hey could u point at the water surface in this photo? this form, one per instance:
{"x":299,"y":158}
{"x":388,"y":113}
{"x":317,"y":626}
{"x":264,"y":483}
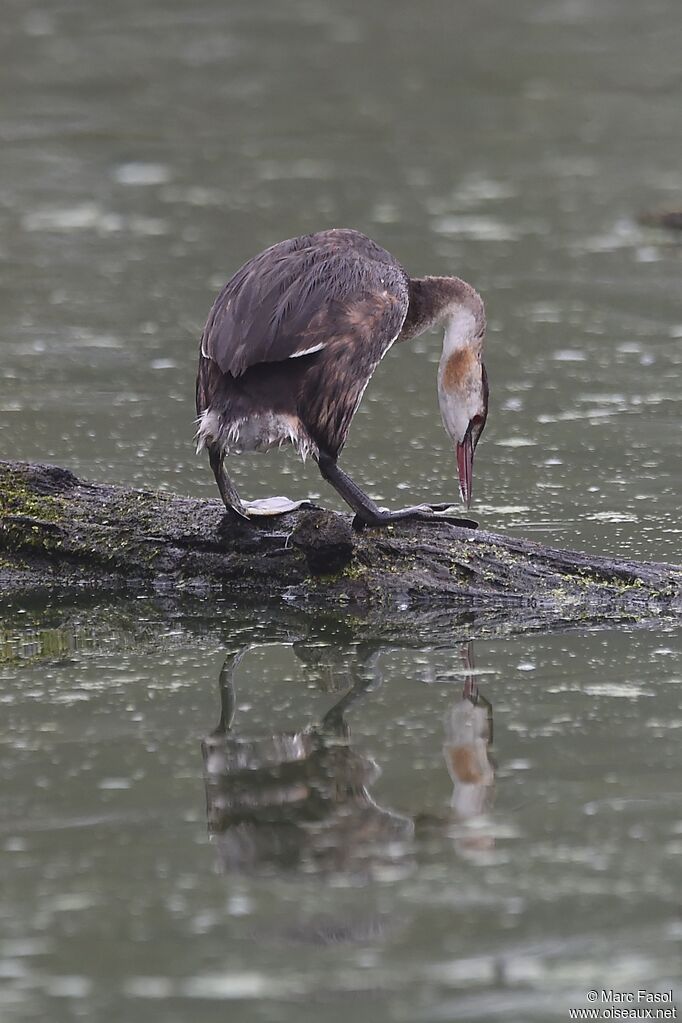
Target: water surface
{"x":147,"y":153}
{"x":296,"y":819}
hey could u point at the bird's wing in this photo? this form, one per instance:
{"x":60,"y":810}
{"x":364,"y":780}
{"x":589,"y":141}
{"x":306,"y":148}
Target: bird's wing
{"x":293,"y":299}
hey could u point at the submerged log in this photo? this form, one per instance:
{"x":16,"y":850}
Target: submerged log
{"x":62,"y":535}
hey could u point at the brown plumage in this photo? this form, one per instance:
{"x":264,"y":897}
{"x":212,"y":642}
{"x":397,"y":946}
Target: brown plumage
{"x":292,"y":341}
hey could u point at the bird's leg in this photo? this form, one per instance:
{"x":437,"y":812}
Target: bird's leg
{"x":367,"y":513}
{"x":248,"y":511}
{"x":367,"y":677}
{"x":228,"y":491}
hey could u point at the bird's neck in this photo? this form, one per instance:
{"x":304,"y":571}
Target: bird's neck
{"x":447,"y":300}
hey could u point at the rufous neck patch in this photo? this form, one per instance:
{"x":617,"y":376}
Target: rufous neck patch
{"x":458,"y":367}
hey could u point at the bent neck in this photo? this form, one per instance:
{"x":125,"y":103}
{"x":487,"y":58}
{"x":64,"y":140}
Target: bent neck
{"x":447,"y":300}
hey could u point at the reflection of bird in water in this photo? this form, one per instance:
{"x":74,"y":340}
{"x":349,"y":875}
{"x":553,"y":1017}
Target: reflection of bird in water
{"x":292,"y":341}
{"x":297,"y":800}
{"x":468,"y":735}
{"x":301,"y":800}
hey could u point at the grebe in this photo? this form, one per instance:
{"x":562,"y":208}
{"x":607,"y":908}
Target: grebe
{"x":293,"y":339}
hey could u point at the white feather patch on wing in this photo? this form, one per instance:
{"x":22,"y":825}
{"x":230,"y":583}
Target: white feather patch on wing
{"x":308,"y":351}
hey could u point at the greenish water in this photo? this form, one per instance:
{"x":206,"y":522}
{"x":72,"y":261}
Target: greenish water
{"x":147,"y":150}
{"x":314,"y":861}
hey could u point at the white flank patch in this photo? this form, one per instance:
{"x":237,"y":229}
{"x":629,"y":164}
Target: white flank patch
{"x":208,"y":428}
{"x":256,"y":433}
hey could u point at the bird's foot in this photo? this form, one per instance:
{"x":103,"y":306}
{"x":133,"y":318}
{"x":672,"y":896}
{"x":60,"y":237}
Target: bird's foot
{"x":442,"y":512}
{"x":448,"y":513}
{"x":269,"y":507}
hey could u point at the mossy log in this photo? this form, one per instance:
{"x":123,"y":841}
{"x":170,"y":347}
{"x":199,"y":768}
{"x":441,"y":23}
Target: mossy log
{"x":61,"y":535}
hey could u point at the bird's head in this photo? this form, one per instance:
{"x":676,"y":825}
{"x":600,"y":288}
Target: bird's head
{"x":463,"y":386}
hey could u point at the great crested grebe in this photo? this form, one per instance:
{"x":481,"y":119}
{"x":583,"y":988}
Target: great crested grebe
{"x":292,"y":340}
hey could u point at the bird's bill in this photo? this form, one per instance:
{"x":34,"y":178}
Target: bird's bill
{"x":465,"y":468}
